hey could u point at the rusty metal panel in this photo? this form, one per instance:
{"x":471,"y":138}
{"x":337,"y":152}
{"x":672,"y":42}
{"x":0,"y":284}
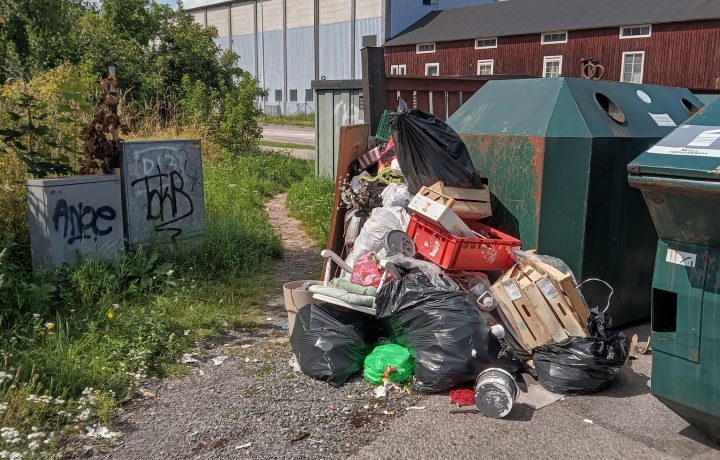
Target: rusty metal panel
{"x":514,"y":165}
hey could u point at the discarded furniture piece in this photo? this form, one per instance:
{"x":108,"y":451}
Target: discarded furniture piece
{"x":74,"y":216}
{"x":341,"y":297}
{"x":162,"y":191}
{"x":555,"y":150}
{"x":353,"y":143}
{"x":679,"y":179}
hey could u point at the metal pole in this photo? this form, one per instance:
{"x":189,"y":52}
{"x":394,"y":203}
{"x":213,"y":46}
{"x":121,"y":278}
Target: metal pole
{"x":285,"y":60}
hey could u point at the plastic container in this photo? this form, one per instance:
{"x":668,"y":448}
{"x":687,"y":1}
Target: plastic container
{"x":495,"y":392}
{"x":295,"y":299}
{"x":384,"y":131}
{"x":456,"y":253}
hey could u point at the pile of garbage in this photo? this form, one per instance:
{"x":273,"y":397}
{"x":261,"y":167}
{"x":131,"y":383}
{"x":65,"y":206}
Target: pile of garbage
{"x":427,"y":295}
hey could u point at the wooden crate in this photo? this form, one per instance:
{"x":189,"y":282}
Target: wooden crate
{"x":468,"y":203}
{"x":540,"y":305}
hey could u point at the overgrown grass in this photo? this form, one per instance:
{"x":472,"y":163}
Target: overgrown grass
{"x":84,"y":346}
{"x":311,"y":201}
{"x":292,"y":120}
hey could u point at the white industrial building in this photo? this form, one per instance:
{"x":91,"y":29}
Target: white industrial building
{"x":289,"y":43}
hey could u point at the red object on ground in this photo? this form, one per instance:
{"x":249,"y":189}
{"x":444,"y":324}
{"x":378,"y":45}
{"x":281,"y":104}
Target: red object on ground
{"x":462,"y":397}
{"x":457,"y":253}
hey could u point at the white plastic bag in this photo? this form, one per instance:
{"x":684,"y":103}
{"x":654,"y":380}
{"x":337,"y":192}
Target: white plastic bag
{"x":380,"y":222}
{"x":395,"y":195}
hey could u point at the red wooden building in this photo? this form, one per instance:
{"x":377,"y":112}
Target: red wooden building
{"x":665,"y":42}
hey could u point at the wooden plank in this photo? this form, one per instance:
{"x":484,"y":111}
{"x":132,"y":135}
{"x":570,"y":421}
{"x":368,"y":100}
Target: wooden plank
{"x":353,"y":143}
{"x":553,"y":326}
{"x":374,"y":87}
{"x":562,"y":307}
{"x":522,"y":333}
{"x":517,"y":324}
{"x":524,"y":307}
{"x":567,"y":285}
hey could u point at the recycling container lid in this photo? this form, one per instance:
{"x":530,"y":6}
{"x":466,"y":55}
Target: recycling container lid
{"x":692,"y":151}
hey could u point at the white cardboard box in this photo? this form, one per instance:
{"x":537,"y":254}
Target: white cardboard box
{"x":441,"y":214}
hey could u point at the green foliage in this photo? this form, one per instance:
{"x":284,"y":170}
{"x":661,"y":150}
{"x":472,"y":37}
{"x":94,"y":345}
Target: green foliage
{"x":199,"y":103}
{"x":239,"y":127}
{"x":20,"y":293}
{"x":38,"y":34}
{"x":30,"y":136}
{"x":107,"y":325}
{"x":311,"y":202}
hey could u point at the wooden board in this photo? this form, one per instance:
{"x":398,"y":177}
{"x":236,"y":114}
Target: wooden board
{"x":353,"y":143}
{"x":567,"y":286}
{"x":524,"y":308}
{"x":468,"y":203}
{"x":522,"y":333}
{"x":562,"y":307}
{"x":543,"y":310}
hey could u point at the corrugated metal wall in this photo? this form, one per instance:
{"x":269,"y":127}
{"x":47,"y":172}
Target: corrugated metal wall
{"x":680,"y":54}
{"x":257,"y":33}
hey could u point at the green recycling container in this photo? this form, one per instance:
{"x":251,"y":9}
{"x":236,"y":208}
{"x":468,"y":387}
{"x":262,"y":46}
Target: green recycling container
{"x":680,"y":180}
{"x":555,"y":151}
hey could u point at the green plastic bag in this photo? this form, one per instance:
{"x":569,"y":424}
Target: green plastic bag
{"x":393,"y":355}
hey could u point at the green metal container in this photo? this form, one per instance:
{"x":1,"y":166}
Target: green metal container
{"x":680,"y":180}
{"x":556,"y":151}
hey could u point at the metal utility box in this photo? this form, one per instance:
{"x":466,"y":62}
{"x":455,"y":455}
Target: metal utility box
{"x":162,"y":191}
{"x":74,"y":216}
{"x":555,"y":151}
{"x":680,"y":182}
{"x":339,"y":103}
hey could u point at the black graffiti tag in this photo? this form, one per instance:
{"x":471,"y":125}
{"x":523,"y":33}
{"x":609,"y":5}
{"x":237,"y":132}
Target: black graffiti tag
{"x":164,"y":192}
{"x":82,"y":222}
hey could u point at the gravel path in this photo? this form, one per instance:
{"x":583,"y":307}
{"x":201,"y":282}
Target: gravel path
{"x":252,"y":404}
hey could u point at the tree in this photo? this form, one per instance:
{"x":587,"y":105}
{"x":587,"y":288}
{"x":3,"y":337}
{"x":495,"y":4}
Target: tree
{"x":38,"y":34}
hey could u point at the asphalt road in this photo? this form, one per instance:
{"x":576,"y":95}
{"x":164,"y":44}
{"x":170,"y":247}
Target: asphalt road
{"x":627,"y":423}
{"x":289,"y":134}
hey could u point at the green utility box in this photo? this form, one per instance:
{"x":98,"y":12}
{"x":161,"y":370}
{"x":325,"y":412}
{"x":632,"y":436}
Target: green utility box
{"x":555,"y":151}
{"x":679,"y":178}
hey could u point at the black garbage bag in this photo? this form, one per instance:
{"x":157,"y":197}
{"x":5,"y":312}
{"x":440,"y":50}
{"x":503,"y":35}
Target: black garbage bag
{"x":428,"y":150}
{"x":583,"y":365}
{"x":448,"y":339}
{"x":329,"y":342}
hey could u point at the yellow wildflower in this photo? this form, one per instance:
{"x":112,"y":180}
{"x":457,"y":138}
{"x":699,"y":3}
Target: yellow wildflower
{"x":41,"y":333}
{"x":110,"y":314}
{"x":50,"y":326}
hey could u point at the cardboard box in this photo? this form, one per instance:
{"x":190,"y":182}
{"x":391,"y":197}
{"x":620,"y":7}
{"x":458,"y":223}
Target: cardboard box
{"x":469,"y":203}
{"x":442,"y":214}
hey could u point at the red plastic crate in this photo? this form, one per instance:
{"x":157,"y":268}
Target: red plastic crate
{"x":456,"y":253}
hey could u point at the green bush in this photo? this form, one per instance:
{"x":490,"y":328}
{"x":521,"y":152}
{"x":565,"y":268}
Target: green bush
{"x":239,"y":127}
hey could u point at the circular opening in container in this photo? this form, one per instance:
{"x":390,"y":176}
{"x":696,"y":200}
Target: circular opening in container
{"x":610,"y":108}
{"x":689,"y":106}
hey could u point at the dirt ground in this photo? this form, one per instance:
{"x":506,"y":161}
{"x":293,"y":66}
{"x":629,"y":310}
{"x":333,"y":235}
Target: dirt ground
{"x":244,"y":400}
